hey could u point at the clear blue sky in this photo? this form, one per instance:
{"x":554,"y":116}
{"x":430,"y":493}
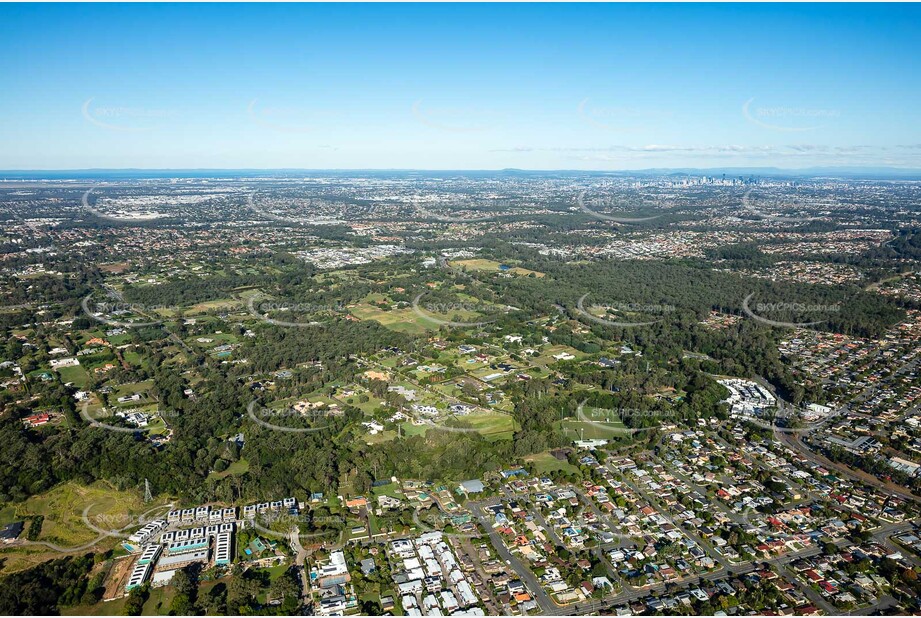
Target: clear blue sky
{"x":459,"y":86}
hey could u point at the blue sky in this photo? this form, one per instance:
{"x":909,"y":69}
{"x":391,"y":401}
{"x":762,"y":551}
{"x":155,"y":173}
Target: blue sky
{"x":546,"y":86}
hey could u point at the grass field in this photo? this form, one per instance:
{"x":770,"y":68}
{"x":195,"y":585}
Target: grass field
{"x":547,"y":354}
{"x":7,"y":514}
{"x":114,"y":267}
{"x":130,"y":389}
{"x":19,"y":557}
{"x":393,"y":490}
{"x":115,"y":607}
{"x":213,"y":305}
{"x":491,"y":265}
{"x":380,"y":437}
{"x":63,"y":506}
{"x":241,"y":466}
{"x":400,"y":320}
{"x":157,"y":604}
{"x":408,"y":429}
{"x":77,"y":375}
{"x":406,"y":320}
{"x":368,"y":407}
{"x":119,"y":339}
{"x":599,"y":427}
{"x":545,"y":463}
{"x":156,"y":427}
{"x":274,"y":572}
{"x":492,"y":426}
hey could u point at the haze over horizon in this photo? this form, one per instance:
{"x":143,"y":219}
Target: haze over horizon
{"x":204,"y":172}
{"x":459,"y":87}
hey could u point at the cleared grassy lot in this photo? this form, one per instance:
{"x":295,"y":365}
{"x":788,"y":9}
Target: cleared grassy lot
{"x":602,"y":425}
{"x":491,"y":265}
{"x":77,"y":375}
{"x":545,"y":463}
{"x":406,"y":320}
{"x":492,"y":426}
{"x":157,"y":604}
{"x":400,"y":320}
{"x":241,"y":466}
{"x":62,"y":509}
{"x":63,"y":506}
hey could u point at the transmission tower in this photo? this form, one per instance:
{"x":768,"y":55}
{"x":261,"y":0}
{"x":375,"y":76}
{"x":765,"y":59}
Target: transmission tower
{"x":148,"y":496}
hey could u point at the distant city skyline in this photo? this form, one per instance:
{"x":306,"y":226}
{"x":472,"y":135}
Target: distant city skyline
{"x":459,"y":87}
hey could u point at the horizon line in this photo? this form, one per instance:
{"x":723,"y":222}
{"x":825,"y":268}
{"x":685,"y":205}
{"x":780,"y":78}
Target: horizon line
{"x":458,"y":169}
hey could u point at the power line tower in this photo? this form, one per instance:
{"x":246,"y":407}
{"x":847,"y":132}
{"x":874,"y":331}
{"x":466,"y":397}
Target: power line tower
{"x":148,"y":495}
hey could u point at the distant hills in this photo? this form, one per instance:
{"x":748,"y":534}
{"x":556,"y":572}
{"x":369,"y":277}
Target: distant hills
{"x":730,"y":172}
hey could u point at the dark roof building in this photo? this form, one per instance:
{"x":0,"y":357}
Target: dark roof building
{"x":11,"y":532}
